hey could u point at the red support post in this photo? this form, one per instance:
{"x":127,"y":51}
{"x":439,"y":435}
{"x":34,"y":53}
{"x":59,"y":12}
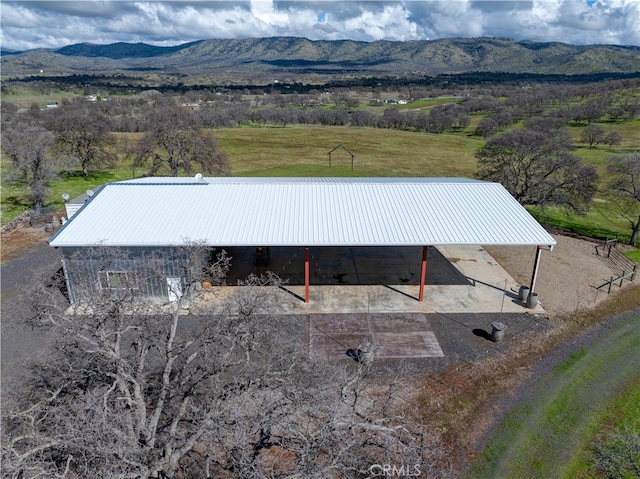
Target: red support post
{"x":423,"y":273}
{"x":306,"y":275}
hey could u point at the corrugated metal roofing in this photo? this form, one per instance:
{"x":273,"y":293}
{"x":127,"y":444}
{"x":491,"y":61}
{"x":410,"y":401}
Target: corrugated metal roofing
{"x":301,"y":212}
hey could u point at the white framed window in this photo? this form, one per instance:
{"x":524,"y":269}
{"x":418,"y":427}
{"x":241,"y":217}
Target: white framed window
{"x":117,"y":280}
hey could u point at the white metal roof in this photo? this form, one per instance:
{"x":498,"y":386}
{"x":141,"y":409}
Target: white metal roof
{"x":301,"y":212}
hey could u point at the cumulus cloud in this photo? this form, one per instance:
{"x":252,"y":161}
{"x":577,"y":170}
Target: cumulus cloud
{"x":52,"y":24}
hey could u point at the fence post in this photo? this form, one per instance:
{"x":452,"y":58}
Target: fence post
{"x":610,"y":283}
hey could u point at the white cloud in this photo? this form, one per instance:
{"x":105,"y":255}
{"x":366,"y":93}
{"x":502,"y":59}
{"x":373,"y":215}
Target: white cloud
{"x":31,"y":24}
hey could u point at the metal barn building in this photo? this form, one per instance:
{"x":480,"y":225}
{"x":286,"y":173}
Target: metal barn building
{"x":155,"y":217}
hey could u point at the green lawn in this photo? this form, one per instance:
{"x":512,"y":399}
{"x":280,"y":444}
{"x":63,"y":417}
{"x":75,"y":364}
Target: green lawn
{"x":602,"y":221}
{"x":15,"y":200}
{"x":550,"y":433}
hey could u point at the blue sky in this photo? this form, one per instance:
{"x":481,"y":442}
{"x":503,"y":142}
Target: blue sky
{"x":53,"y":24}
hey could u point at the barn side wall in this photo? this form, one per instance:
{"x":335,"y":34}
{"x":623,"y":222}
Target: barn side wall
{"x":147,"y":270}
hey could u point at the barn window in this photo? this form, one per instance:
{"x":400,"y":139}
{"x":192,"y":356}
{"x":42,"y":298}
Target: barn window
{"x":117,"y":279}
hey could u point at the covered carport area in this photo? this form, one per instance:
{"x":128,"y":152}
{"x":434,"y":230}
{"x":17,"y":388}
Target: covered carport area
{"x":460,"y":278}
{"x":377,"y":231}
{"x":396,"y":226}
{"x":348,"y":266}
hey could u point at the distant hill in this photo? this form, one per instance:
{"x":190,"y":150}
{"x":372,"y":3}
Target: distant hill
{"x":120,"y":50}
{"x":281,"y":56}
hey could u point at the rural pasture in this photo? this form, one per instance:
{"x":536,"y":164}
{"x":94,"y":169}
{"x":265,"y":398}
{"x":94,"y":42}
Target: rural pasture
{"x":303,"y":151}
{"x":565,"y":398}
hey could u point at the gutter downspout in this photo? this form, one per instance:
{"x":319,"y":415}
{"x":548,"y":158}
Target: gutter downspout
{"x":306,"y":275}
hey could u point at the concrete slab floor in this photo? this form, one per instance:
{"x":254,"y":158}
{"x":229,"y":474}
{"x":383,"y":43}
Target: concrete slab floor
{"x":395,"y":335}
{"x":372,"y":297}
{"x":460,"y":279}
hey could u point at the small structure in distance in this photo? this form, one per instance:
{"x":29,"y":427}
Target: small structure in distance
{"x":345,"y":149}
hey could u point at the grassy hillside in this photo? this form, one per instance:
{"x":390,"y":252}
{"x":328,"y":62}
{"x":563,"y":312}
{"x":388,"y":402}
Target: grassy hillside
{"x":303,"y":151}
{"x":341,"y":58}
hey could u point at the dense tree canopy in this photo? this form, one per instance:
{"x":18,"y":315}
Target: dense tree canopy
{"x":538,"y":169}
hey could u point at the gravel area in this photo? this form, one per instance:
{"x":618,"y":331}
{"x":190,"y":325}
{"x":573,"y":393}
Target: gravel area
{"x":568,"y":275}
{"x":21,"y":265}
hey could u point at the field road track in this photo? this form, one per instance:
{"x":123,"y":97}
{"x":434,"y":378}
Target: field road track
{"x":561,"y":406}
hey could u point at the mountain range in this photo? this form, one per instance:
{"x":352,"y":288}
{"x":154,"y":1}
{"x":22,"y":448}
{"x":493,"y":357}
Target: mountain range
{"x":299,"y":56}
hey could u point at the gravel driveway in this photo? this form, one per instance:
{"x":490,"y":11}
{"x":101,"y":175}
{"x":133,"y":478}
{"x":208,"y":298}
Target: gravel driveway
{"x":20,"y":344}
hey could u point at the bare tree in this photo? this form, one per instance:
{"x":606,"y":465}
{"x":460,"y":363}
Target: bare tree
{"x":175,"y":140}
{"x":487,"y":127}
{"x":216,"y":390}
{"x":618,"y":454}
{"x":28,"y":148}
{"x":82,"y":135}
{"x":624,"y":185}
{"x":537,"y":169}
{"x":593,"y":135}
{"x":612,"y":138}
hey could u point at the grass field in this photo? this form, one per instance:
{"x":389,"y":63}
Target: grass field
{"x":303,"y":151}
{"x":549,"y":434}
{"x":25,"y":97}
{"x":296,"y":151}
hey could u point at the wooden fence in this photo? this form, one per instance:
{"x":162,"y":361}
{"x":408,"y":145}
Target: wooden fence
{"x":623,"y":267}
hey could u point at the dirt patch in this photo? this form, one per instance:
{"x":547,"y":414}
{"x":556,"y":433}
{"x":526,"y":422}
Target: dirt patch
{"x":17,"y":240}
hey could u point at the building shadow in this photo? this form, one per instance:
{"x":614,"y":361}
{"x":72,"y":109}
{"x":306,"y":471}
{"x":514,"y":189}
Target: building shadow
{"x":361,"y":266}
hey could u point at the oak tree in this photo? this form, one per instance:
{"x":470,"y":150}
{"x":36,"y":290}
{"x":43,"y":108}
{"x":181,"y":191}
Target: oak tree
{"x":624,"y":186}
{"x":82,"y":135}
{"x":593,"y":135}
{"x":538,"y":169}
{"x":28,"y":147}
{"x":175,"y":140}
